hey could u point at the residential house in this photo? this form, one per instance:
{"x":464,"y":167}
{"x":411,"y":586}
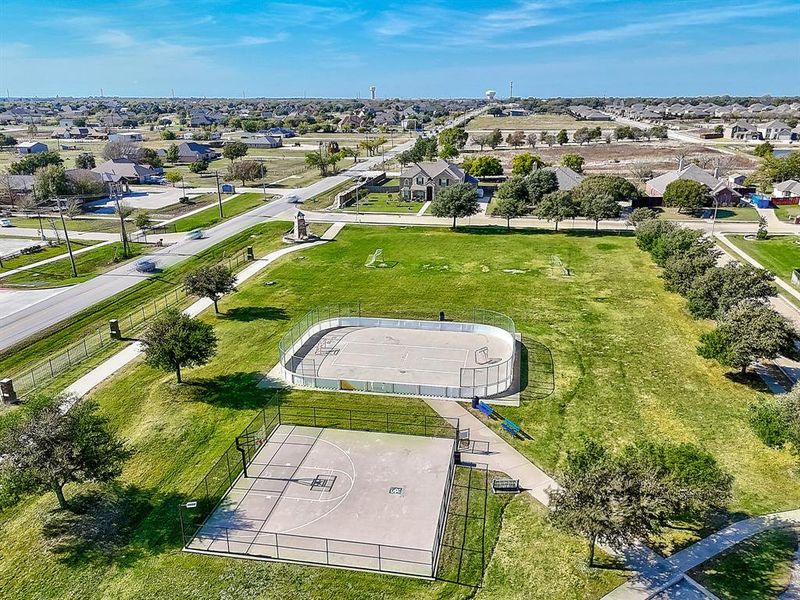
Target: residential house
{"x":776,"y":130}
{"x":71,"y":133}
{"x":31,"y":147}
{"x":281,"y":132}
{"x":260,"y":140}
{"x":350,"y":122}
{"x":126,"y":136}
{"x":720,"y":190}
{"x":192,"y":152}
{"x":789,"y":189}
{"x":422,"y":181}
{"x":742,"y":131}
{"x":123,"y":169}
{"x":567,"y":178}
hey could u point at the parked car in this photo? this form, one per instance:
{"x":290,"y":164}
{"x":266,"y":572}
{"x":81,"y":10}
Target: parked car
{"x":6,"y":223}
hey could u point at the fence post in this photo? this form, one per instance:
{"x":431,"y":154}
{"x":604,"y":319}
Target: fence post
{"x":85,"y":351}
{"x":50,"y":360}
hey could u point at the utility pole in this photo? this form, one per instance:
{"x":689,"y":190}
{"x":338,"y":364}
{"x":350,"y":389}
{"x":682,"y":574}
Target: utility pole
{"x":122,"y":232}
{"x":511,"y":91}
{"x":38,"y":213}
{"x":219,"y":194}
{"x":66,"y":237}
{"x":263,"y":181}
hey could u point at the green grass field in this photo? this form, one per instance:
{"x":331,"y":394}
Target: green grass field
{"x":23,"y":260}
{"x":745,"y":213}
{"x":326,"y":198}
{"x":210,"y":216}
{"x":625,"y":369}
{"x":787,"y":213}
{"x":779,"y":254}
{"x":100,"y":225}
{"x":88,"y":265}
{"x":537,"y":122}
{"x":756,"y":569}
{"x":384,"y":203}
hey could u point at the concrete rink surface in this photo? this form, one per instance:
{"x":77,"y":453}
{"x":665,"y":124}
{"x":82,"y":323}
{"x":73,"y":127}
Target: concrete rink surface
{"x":398,"y":355}
{"x":352,"y":499}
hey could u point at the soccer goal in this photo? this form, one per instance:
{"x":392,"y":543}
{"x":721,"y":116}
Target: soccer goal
{"x":482,"y":356}
{"x":377,"y":260}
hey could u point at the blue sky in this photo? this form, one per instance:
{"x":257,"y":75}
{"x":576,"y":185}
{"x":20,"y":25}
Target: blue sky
{"x":415,"y":48}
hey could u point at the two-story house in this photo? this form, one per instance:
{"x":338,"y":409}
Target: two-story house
{"x":421,"y":181}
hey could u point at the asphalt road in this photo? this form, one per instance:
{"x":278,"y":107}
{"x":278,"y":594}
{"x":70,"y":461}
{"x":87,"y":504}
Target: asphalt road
{"x":25,"y":322}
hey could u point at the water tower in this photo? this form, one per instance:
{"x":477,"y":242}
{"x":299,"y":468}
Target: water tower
{"x":490,"y":94}
{"x":372,"y":92}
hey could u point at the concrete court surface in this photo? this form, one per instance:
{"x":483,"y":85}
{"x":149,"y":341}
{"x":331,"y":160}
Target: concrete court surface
{"x":158,"y":197}
{"x":13,"y":245}
{"x":396,"y":355}
{"x":351,"y":499}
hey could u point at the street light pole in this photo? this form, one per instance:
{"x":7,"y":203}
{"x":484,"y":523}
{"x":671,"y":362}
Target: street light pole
{"x":66,"y":237}
{"x":219,"y":194}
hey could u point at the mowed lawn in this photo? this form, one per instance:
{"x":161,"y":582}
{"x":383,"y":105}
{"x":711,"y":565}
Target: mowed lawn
{"x":87,"y":264}
{"x":380,"y":202}
{"x":210,"y":216}
{"x":738,"y":213}
{"x":625,"y":369}
{"x":779,"y":253}
{"x":544,"y":122}
{"x":23,"y":260}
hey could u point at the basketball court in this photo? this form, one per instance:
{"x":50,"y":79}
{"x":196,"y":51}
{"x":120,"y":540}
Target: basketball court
{"x":350,"y":499}
{"x":398,"y":355}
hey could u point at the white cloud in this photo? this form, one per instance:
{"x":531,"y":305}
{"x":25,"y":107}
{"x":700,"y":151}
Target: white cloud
{"x":115,"y":38}
{"x":251,"y":40}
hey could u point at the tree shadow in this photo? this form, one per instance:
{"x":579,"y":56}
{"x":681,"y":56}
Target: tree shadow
{"x":750,"y":379}
{"x":232,"y":390}
{"x":113,"y":524}
{"x":255,"y":313}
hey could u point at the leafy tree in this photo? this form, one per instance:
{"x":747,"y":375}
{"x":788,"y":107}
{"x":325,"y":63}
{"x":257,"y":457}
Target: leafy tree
{"x":516,"y":188}
{"x":619,"y":188}
{"x":525,"y":163}
{"x":448,"y":151}
{"x":495,"y":139}
{"x":557,"y":206}
{"x":424,"y":149}
{"x":640,"y":215}
{"x":677,"y":242}
{"x":764,"y":150}
{"x":316,"y":160}
{"x":776,"y":420}
{"x":686,"y":194}
{"x":658,"y":132}
{"x":516,"y":139}
{"x":52,"y":181}
{"x":650,"y":231}
{"x":85,"y":160}
{"x":7,"y":140}
{"x":210,"y":282}
{"x":168,"y":134}
{"x":549,"y":139}
{"x":482,"y":166}
{"x":234,"y":150}
{"x":573,"y":161}
{"x":173,"y":177}
{"x":174,"y":340}
{"x":333,"y":160}
{"x":682,"y":270}
{"x":539,"y":183}
{"x":562,"y":137}
{"x":122,"y":149}
{"x":148,"y":156}
{"x":609,"y":501}
{"x":142,"y":220}
{"x":482,"y":139}
{"x":696,"y":482}
{"x":49,"y":449}
{"x":582,"y":135}
{"x":531,"y":139}
{"x":599,"y":207}
{"x":453,"y":136}
{"x":245,"y":170}
{"x":508,"y":207}
{"x":199,"y":166}
{"x":172,"y":154}
{"x":457,"y":201}
{"x":719,"y":289}
{"x":749,"y":331}
{"x":31,"y":162}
